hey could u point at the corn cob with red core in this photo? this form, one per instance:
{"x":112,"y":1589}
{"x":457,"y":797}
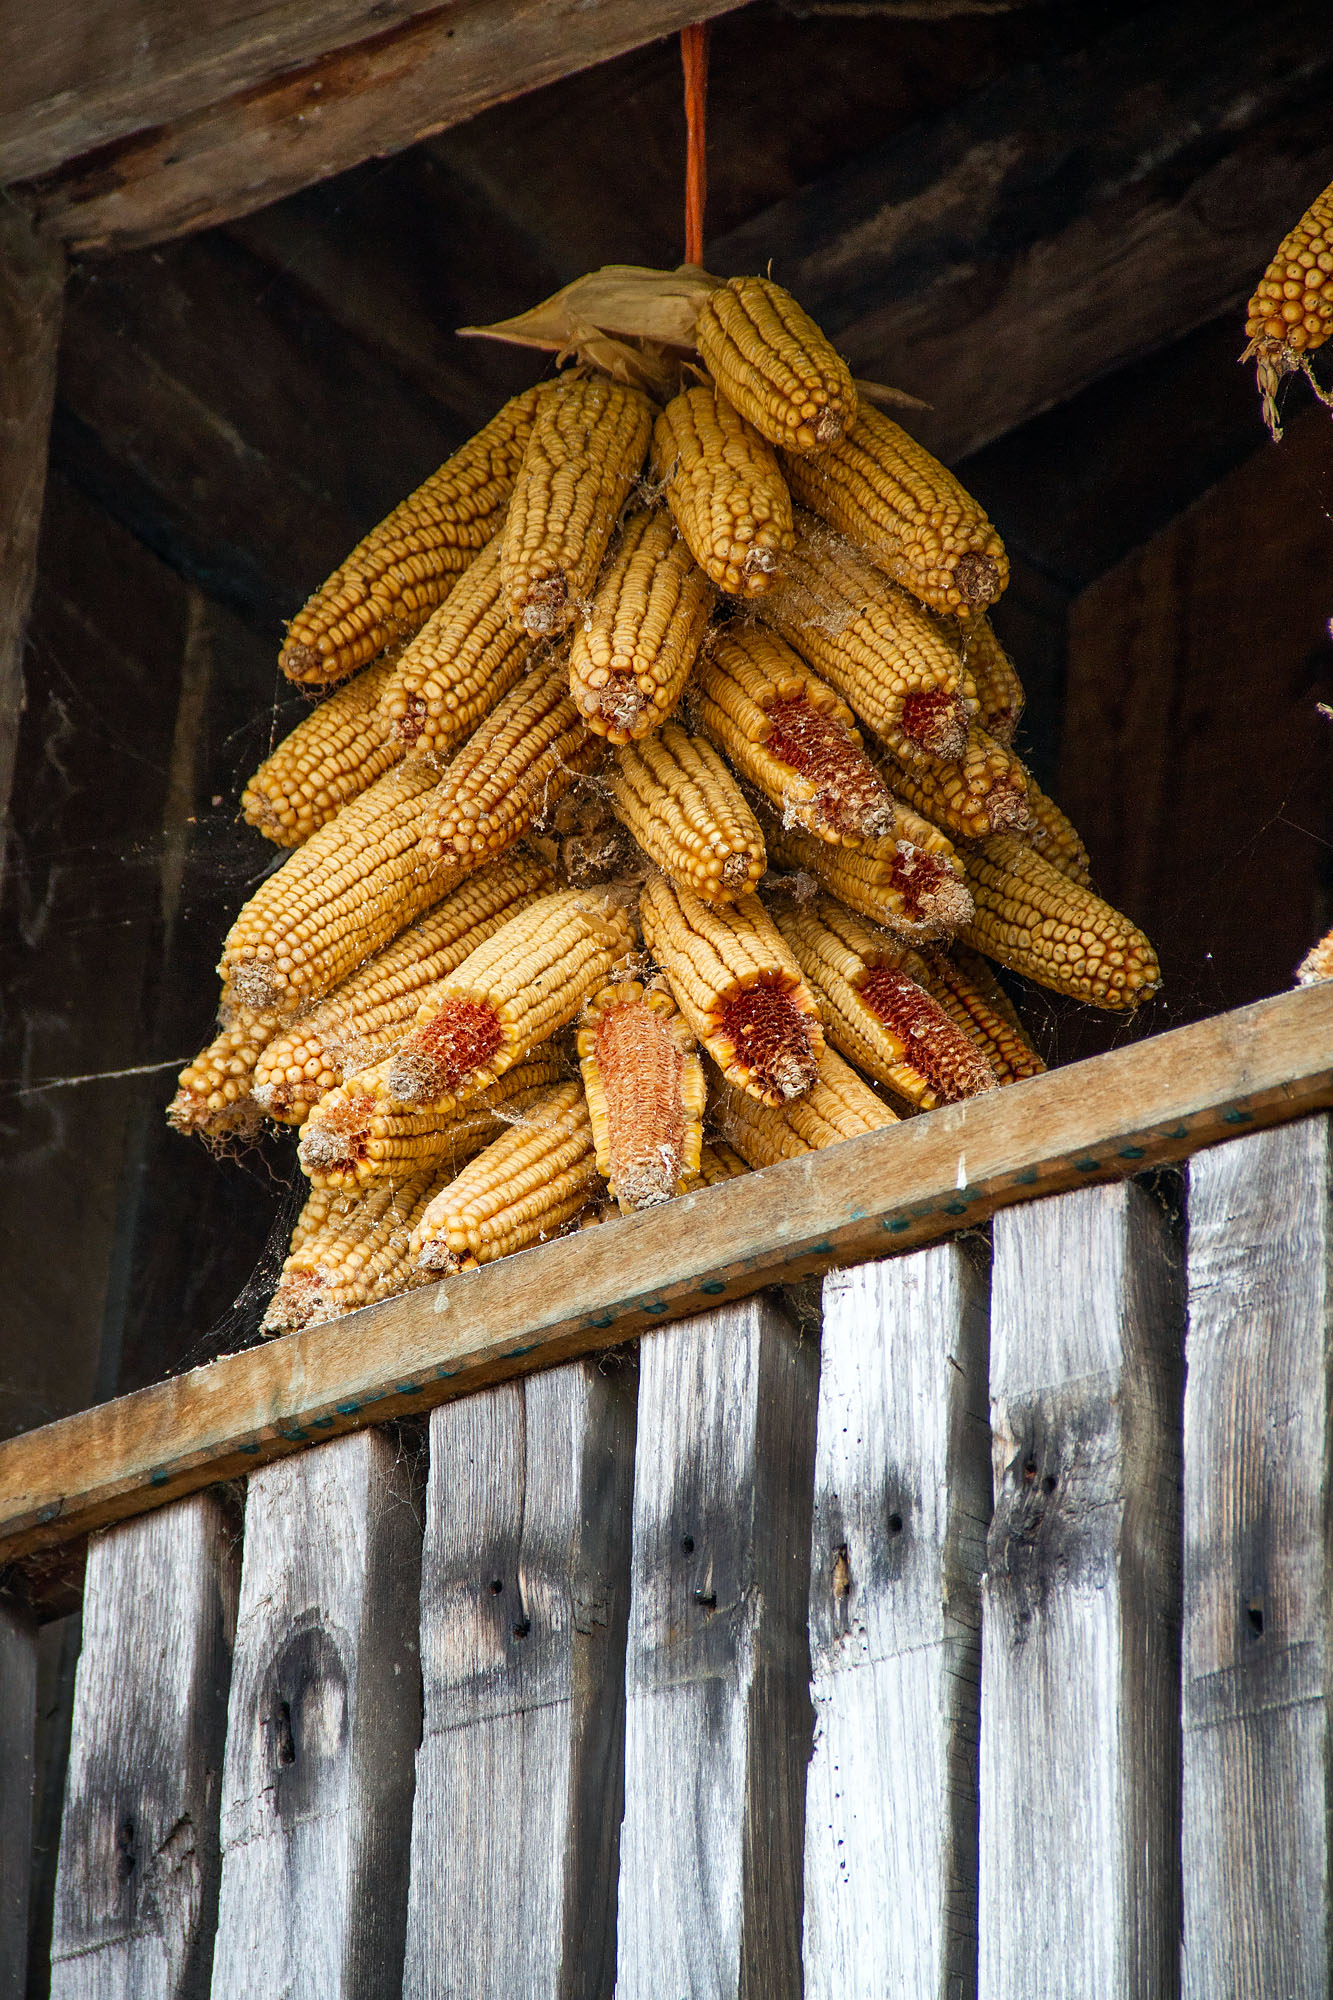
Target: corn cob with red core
{"x":973,"y":997}
{"x":215,"y":1092}
{"x":738,"y":986}
{"x":525,"y":755}
{"x":1036,"y":921}
{"x":509,"y":996}
{"x":911,"y":882}
{"x":1055,"y":837}
{"x":329,"y":759}
{"x":878,"y":648}
{"x":774,"y":365}
{"x":1291,"y":312}
{"x":464,"y":660}
{"x":369,"y":1014}
{"x":914,"y":520}
{"x":989,"y":677}
{"x":395,"y":577}
{"x":725,"y":489}
{"x":586,"y":450}
{"x":685,"y":810}
{"x":629,"y":661}
{"x":791,"y":737}
{"x":984,"y":792}
{"x":644,"y":1084}
{"x":837,"y":1106}
{"x":718,"y":1162}
{"x":877,"y":1011}
{"x":523,"y":1189}
{"x":360,"y":1135}
{"x":350,"y":1250}
{"x":353,"y":885}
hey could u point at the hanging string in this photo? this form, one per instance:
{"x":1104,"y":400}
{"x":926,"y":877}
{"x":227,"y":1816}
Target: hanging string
{"x":694,"y":63}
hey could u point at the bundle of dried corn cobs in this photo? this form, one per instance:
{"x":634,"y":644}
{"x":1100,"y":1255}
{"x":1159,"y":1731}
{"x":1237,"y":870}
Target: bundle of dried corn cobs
{"x":661,"y":819}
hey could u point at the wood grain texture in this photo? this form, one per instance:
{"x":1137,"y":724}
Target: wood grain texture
{"x":32,"y":280}
{"x":525,"y":1594}
{"x":913,"y":1183}
{"x":901,"y":1499}
{"x":137,"y":1884}
{"x":717,"y":1725}
{"x":1080,"y":1716}
{"x":249,"y":148}
{"x":321,"y":1730}
{"x":1256,"y":1643}
{"x":18,"y":1723}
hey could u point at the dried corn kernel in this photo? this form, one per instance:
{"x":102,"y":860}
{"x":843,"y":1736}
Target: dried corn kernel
{"x":725,"y":489}
{"x":774,"y":365}
{"x":718,"y":1162}
{"x":523,"y":1189}
{"x":630,"y":660}
{"x":644,"y":1084}
{"x":1317,"y":965}
{"x":972,"y":996}
{"x":837,"y":1106}
{"x":329,"y":759}
{"x":684,"y":809}
{"x":1032,"y":918}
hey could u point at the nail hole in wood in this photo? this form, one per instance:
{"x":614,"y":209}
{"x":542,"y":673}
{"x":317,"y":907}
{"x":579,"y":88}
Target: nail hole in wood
{"x":522,"y":1629}
{"x":895,"y":1524}
{"x":286,"y":1742}
{"x":1029,"y":1468}
{"x":687,"y":1545}
{"x":125,"y":1855}
{"x":1048,"y":1483}
{"x":496,"y":1586}
{"x":708,"y":1599}
{"x":1255,"y":1614}
{"x":842,"y":1573}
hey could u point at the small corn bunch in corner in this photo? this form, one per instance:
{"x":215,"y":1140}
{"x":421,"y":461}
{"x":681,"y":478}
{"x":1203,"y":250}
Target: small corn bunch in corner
{"x":1291,"y":312}
{"x":660,"y":818}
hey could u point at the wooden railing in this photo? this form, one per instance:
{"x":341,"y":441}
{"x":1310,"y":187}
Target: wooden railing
{"x":978,"y":1644}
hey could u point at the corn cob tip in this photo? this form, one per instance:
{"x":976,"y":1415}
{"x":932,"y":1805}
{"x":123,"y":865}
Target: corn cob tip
{"x":297,"y":661}
{"x":297,"y":1301}
{"x":221,"y":1127}
{"x":977,"y":578}
{"x":463,"y":1036}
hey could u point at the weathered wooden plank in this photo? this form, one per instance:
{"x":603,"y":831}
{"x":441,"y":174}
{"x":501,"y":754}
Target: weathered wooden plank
{"x":18,"y":1722}
{"x":1257,"y":1668}
{"x":137,"y":1885}
{"x":717,"y":1727}
{"x":321,"y":1730}
{"x":1154,"y":1100}
{"x":902,"y":1493}
{"x":1080,"y":1733}
{"x":525,"y":1593}
{"x":32,"y":279}
{"x":298,"y":125}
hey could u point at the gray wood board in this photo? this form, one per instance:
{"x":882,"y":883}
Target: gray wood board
{"x":321,"y":1730}
{"x":901,"y":1500}
{"x":1080,"y":1713}
{"x":137,"y":1880}
{"x":524,"y":1600}
{"x":717,"y":1701}
{"x":1257,"y":1581}
{"x":18,"y":1723}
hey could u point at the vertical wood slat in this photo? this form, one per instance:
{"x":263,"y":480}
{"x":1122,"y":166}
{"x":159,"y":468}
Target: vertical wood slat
{"x":321,"y":1729}
{"x":1256,"y":1673}
{"x":717,"y":1700}
{"x":18,"y":1724}
{"x":137,"y":1879}
{"x":1080,"y":1745}
{"x":524,"y":1598}
{"x":902,"y":1495}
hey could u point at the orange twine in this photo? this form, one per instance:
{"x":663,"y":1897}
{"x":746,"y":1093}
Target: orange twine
{"x":694,"y":63}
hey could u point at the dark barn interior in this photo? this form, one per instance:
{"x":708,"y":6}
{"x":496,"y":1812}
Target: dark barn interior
{"x":1045,"y":220}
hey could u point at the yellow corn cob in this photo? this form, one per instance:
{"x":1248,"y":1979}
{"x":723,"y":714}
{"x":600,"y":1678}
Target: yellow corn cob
{"x":1291,"y":312}
{"x":215,"y":1095}
{"x":971,"y":995}
{"x":995,"y":682}
{"x":738,"y":986}
{"x":877,"y":1010}
{"x":1035,"y":920}
{"x":683,"y":807}
{"x":1317,"y":965}
{"x":514,"y":992}
{"x":876,"y":645}
{"x":914,"y":520}
{"x":586,"y":450}
{"x":369,"y":1014}
{"x":464,"y":660}
{"x":526,"y":753}
{"x":644,"y":1084}
{"x":718,"y":1162}
{"x":791,"y":737}
{"x":393,"y":580}
{"x":360,"y":1135}
{"x":1056,"y":837}
{"x":328,"y":760}
{"x":630,"y":660}
{"x":353,"y":885}
{"x":837,"y":1106}
{"x":774,"y":365}
{"x":985,"y":792}
{"x":349,"y":1250}
{"x":911,"y":881}
{"x":725,"y":489}
{"x":521,"y":1190}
